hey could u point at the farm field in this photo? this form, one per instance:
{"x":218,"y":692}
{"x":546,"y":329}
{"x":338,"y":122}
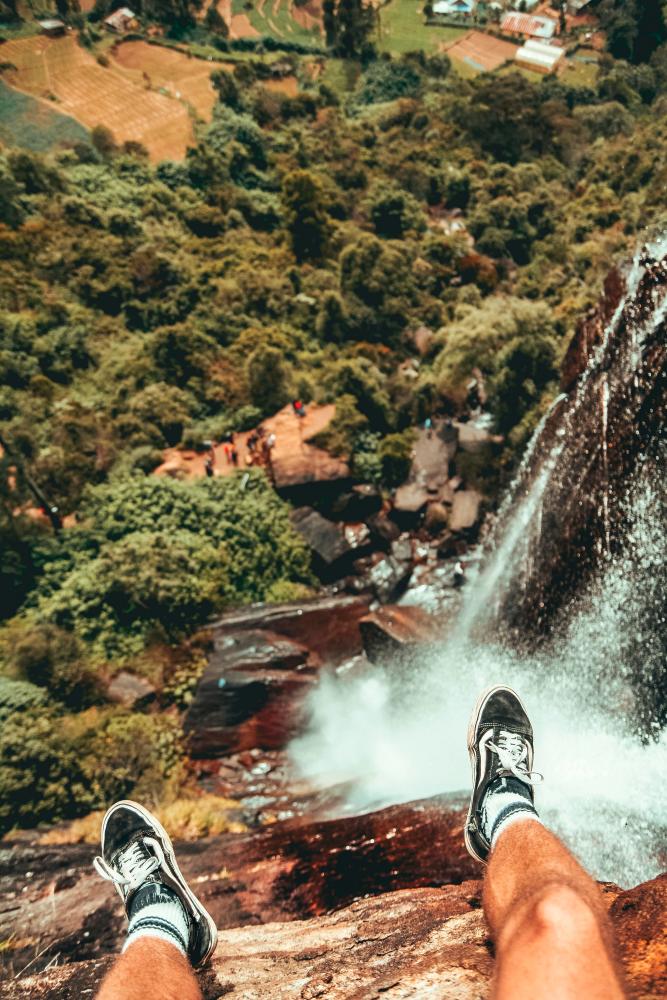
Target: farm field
{"x":402,"y":29}
{"x":31,"y":124}
{"x":280,"y":19}
{"x":185,"y":78}
{"x":117,"y":96}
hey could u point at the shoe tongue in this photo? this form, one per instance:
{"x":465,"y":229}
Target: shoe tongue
{"x":510,"y":784}
{"x":150,"y":893}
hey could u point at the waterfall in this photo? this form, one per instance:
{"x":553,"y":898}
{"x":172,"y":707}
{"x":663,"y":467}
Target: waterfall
{"x":398,"y":733}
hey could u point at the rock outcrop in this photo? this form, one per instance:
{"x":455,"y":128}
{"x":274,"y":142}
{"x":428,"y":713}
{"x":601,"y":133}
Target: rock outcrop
{"x":410,"y":943}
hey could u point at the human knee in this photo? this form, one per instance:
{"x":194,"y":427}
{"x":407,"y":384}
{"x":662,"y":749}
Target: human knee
{"x":561,"y":912}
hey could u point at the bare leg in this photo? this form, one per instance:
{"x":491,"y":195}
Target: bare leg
{"x":553,"y":938}
{"x":150,"y":969}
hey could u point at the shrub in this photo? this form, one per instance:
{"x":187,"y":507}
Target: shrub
{"x":17,"y":696}
{"x":55,"y":767}
{"x":396,"y":457}
{"x":51,"y":658}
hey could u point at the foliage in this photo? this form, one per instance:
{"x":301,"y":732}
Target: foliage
{"x":396,"y":457}
{"x":17,"y":696}
{"x":54,"y":767}
{"x":305,"y":215}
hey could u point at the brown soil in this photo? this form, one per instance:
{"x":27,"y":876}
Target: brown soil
{"x":288,"y":85}
{"x":98,"y":95}
{"x":185,"y":78}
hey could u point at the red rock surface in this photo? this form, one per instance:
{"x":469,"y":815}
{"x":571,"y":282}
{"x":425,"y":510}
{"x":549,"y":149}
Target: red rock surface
{"x":295,"y":461}
{"x":328,"y":626}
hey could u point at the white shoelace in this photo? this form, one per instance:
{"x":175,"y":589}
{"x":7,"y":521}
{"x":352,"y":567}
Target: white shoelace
{"x":132,"y":866}
{"x":512,"y":750}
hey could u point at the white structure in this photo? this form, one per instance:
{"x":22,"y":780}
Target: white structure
{"x":539,"y":56}
{"x":448,"y":8}
{"x":121,"y":20}
{"x":532,"y":26}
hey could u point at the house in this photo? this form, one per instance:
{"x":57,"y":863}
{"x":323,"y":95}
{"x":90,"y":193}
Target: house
{"x":52,"y":27}
{"x":539,"y":57}
{"x":454,"y":8}
{"x":121,"y":20}
{"x":519,"y":25}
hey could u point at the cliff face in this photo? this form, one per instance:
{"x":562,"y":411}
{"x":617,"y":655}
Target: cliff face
{"x":578,"y":483}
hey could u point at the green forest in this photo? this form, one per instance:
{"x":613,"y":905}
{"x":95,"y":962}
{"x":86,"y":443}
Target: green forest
{"x":293,"y":253}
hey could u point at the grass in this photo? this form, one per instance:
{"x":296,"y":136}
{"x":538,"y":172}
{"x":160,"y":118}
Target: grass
{"x":580,"y":74}
{"x":402,"y":29}
{"x":30,"y":124}
{"x":341,"y":75}
{"x":184,"y":819}
{"x":280,"y":25}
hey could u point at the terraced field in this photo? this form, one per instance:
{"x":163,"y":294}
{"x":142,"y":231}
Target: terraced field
{"x":145,"y":94}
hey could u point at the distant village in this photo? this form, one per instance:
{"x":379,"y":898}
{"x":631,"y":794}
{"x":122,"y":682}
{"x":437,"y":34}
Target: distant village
{"x":526,"y":32}
{"x":532,"y":34}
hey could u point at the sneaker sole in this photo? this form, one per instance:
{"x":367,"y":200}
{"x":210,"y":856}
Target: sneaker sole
{"x":171,"y":857}
{"x":472,"y":753}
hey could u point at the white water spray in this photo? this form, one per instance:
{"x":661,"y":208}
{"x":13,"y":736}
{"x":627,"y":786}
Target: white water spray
{"x":395,"y":735}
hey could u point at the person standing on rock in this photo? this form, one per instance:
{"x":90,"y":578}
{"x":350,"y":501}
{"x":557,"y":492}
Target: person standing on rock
{"x":553,"y":939}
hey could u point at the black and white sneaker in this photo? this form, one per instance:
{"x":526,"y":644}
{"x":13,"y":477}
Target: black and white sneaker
{"x":500,"y":744}
{"x":136,"y":850}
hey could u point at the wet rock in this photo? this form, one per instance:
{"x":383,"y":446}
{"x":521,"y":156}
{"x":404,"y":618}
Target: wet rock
{"x":402,"y":549}
{"x":128,"y":689}
{"x":391,"y":630}
{"x":251,"y":694}
{"x":328,"y":626}
{"x":389,"y":577}
{"x":465,"y":511}
{"x":357,"y":536}
{"x":590,"y":330}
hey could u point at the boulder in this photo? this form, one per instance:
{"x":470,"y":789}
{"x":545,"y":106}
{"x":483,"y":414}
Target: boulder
{"x":437,"y":517}
{"x":358,"y":504}
{"x":389,"y":577}
{"x":251,"y":694}
{"x":411,"y":498}
{"x":383,"y":529}
{"x":465,"y":511}
{"x":328,"y":626}
{"x":324,"y":538}
{"x":390,"y":630}
{"x":127,"y":689}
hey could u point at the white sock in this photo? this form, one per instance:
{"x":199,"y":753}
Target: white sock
{"x":508,"y":802}
{"x":157,"y":912}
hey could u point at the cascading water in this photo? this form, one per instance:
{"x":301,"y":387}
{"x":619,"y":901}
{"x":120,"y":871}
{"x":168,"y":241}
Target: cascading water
{"x":398,"y":734}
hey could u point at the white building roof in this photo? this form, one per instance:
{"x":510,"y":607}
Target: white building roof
{"x":545,"y":56}
{"x":528,"y":24}
{"x":454,"y":7}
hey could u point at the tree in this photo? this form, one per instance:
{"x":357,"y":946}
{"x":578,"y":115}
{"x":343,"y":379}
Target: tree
{"x":225,"y":86}
{"x":268,"y":378}
{"x":353,"y":25}
{"x":394,"y":211}
{"x":103,"y":140}
{"x":330,"y":22}
{"x":215,"y":22}
{"x":307,"y":220}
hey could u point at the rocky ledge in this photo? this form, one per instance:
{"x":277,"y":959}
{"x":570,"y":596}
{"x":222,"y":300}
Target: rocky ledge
{"x":411,"y":943}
